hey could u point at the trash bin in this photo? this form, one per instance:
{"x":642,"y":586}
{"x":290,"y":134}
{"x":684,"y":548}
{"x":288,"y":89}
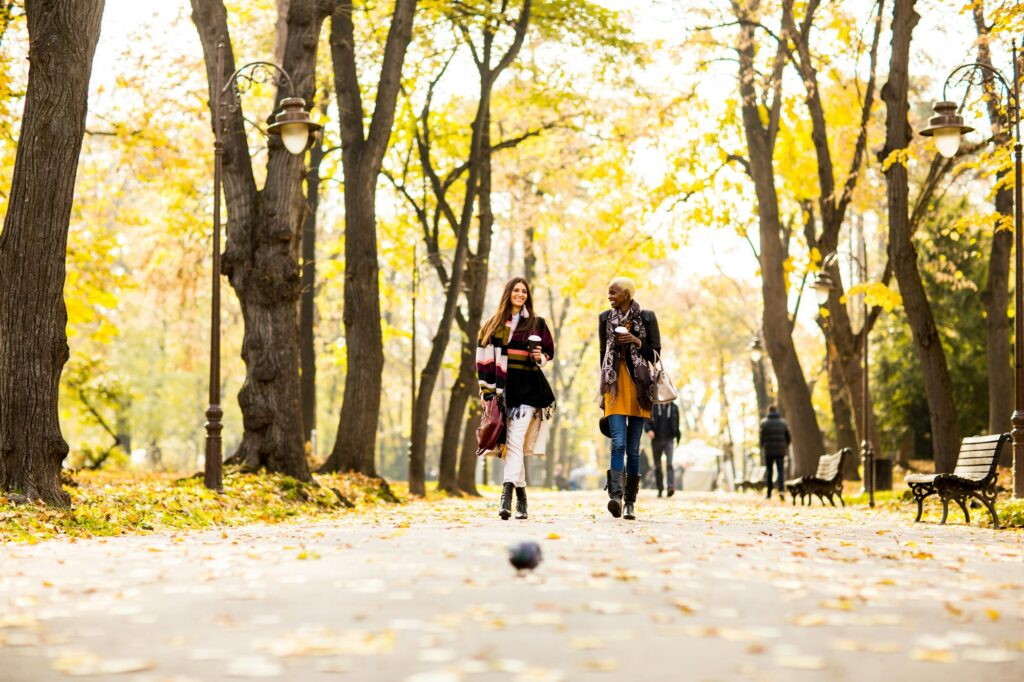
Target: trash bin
{"x":883,"y":474}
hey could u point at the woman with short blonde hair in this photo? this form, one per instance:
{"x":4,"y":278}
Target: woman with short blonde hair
{"x":629,"y":339}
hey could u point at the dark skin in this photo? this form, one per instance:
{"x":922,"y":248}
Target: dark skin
{"x":620,"y":298}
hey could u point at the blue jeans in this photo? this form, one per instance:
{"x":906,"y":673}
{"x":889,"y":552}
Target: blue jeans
{"x":626,"y":432}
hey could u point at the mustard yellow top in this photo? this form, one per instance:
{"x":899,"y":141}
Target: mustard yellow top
{"x":625,"y":400}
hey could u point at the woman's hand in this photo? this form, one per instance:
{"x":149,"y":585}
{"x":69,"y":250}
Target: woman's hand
{"x":537,"y":356}
{"x":627,"y":339}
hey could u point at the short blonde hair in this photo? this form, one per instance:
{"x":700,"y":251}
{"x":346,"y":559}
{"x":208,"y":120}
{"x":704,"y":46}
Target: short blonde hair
{"x":624,"y":283}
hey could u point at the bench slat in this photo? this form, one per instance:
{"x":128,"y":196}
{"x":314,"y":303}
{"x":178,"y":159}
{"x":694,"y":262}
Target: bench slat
{"x":988,"y":447}
{"x":991,"y":438}
{"x":988,"y":454}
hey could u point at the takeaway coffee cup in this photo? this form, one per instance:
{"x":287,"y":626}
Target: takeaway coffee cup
{"x":532,"y":341}
{"x":621,"y":330}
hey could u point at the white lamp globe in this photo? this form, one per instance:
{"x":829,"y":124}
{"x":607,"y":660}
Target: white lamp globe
{"x":947,"y":141}
{"x":295,"y":137}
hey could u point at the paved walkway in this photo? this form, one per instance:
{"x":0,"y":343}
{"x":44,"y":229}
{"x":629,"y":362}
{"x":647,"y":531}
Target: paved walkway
{"x":702,"y":587}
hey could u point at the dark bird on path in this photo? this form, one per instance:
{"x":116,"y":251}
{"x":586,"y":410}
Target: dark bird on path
{"x":524,"y":555}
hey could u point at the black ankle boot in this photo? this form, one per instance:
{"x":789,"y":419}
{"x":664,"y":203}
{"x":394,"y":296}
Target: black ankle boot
{"x":614,"y":489}
{"x":632,"y":486}
{"x":521,"y":503}
{"x":506,"y":501}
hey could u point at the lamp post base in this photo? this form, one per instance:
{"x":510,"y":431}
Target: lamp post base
{"x":1017,"y":432}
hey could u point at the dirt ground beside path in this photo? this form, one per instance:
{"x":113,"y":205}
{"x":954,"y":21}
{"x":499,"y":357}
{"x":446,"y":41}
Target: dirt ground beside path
{"x":700,"y":587}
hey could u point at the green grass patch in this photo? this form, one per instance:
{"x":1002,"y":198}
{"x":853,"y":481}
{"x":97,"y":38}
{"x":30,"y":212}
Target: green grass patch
{"x":107,"y":504}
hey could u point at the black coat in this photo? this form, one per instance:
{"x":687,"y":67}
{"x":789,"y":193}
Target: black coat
{"x":664,"y":422}
{"x":775,"y":437}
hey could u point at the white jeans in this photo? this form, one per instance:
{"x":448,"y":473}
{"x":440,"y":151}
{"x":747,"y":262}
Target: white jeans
{"x":515,"y":435}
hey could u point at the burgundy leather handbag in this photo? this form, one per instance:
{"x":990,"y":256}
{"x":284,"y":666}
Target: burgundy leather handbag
{"x":492,"y":426}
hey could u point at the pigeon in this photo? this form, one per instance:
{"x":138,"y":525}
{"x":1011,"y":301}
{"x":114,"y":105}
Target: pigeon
{"x":524,"y":555}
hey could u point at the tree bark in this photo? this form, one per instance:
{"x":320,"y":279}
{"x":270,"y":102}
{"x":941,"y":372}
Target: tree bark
{"x":431,"y":369}
{"x":466,"y":386}
{"x":468,"y":457}
{"x":995,"y":296}
{"x":808,"y":444}
{"x":842,"y":415}
{"x":833,"y":203}
{"x":903,"y":254}
{"x":362,"y":153}
{"x":476,"y":165}
{"x":264,"y":232}
{"x":307,"y":306}
{"x":33,"y":245}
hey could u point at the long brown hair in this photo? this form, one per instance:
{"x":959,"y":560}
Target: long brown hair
{"x":504,"y":312}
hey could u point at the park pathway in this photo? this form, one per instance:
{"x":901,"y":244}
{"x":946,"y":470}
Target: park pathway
{"x":701,"y":587}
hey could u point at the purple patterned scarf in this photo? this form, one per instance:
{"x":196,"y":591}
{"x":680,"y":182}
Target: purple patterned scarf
{"x":612,"y":351}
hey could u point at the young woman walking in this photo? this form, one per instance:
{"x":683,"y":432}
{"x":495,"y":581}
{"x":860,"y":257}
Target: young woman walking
{"x":514,"y":344}
{"x":629,"y":338}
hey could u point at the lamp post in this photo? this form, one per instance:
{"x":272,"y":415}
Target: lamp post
{"x":947,"y":128}
{"x":823,"y":286}
{"x":292,"y":123}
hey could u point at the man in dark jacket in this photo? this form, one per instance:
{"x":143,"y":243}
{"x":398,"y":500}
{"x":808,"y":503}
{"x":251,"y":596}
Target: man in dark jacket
{"x":663,"y":428}
{"x":775,"y":441}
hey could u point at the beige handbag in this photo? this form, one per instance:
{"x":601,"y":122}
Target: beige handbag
{"x":664,"y":390}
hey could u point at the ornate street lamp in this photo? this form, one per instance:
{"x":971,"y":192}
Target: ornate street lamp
{"x":756,"y":351}
{"x":947,"y":128}
{"x":823,"y":285}
{"x":296,"y":130}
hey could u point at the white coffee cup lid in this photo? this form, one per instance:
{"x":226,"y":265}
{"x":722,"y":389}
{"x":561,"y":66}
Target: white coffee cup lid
{"x":621,"y":330}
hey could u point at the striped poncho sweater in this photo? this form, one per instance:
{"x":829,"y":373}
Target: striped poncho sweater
{"x":505,"y":368}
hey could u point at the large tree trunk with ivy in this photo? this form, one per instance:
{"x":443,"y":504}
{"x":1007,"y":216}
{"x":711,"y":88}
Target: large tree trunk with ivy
{"x":760,"y":133}
{"x":264,"y":234}
{"x":902,"y":252}
{"x":362,"y":151}
{"x":33,"y":245}
{"x":995,"y":297}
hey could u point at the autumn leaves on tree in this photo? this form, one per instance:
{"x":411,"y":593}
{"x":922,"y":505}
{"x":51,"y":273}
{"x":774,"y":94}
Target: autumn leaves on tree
{"x":468,"y":142}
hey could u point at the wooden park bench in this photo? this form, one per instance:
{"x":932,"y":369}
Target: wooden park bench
{"x":825,"y":483}
{"x":974,"y":476}
{"x":755,"y":479}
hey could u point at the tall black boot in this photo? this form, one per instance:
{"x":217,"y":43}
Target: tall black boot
{"x":521,"y":503}
{"x":506,"y":501}
{"x":632,"y":486}
{"x":614,"y":489}
{"x":658,"y":481}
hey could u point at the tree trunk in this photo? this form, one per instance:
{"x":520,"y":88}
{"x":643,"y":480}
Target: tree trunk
{"x":842,"y":415}
{"x":307,"y":307}
{"x":431,"y":369}
{"x":362,"y":153}
{"x":808,"y":444}
{"x":33,"y":245}
{"x":995,"y":296}
{"x":902,"y":253}
{"x":478,"y":159}
{"x":355,"y":443}
{"x":465,"y":387}
{"x":264,"y":232}
{"x":468,"y":458}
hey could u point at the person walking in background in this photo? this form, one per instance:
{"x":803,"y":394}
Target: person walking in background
{"x":514,"y":344}
{"x":774,"y":439}
{"x":628,"y":338}
{"x":663,"y":429}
